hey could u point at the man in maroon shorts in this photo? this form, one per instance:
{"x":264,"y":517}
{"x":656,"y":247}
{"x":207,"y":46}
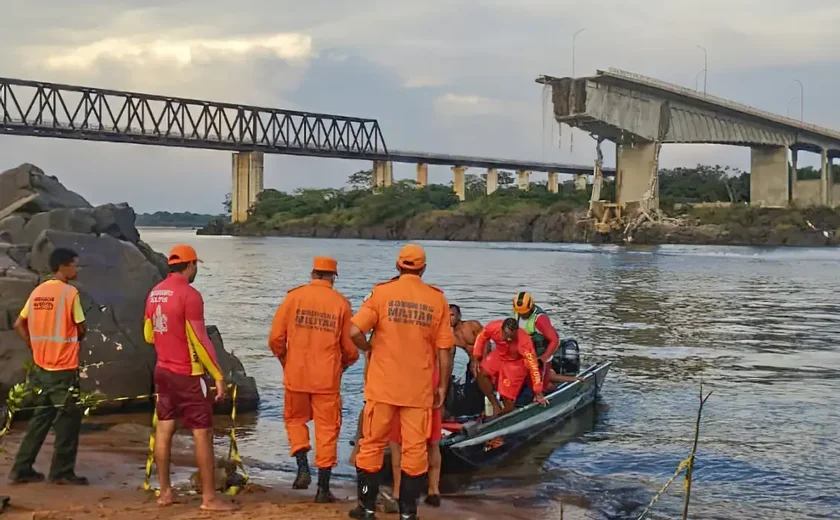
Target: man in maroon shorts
{"x":175,"y":325}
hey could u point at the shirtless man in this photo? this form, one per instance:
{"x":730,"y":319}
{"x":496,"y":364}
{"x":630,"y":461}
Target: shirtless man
{"x":465,"y":331}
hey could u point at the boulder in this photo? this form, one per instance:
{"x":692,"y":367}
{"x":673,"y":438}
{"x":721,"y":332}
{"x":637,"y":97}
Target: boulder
{"x":13,"y":225}
{"x":117,"y":220}
{"x":75,"y":220}
{"x":117,"y":271}
{"x":27,"y":179}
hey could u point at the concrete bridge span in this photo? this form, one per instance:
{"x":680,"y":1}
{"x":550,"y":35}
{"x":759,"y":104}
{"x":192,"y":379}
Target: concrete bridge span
{"x":640,"y":114}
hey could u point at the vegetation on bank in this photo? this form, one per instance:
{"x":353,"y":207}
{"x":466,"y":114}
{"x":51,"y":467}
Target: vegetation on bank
{"x":359,"y":205}
{"x":167,"y":219}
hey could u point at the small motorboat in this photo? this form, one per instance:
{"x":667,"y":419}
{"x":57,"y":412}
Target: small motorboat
{"x":471,"y":443}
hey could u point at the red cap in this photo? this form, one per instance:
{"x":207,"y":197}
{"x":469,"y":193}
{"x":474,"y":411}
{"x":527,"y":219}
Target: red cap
{"x":182,"y":254}
{"x":412,"y":257}
{"x":325,"y":263}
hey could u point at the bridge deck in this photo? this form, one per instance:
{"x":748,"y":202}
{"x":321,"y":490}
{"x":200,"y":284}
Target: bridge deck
{"x":40,"y":109}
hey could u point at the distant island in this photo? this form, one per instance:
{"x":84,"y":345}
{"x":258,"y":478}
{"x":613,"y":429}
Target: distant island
{"x":701,"y":205}
{"x":167,"y":219}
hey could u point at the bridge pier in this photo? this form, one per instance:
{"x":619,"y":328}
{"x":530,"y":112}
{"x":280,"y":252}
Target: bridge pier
{"x":826,"y":180}
{"x":769,"y":176}
{"x":553,"y":182}
{"x":492,"y":180}
{"x":524,"y":180}
{"x":580,"y":181}
{"x":422,"y":175}
{"x":247,"y":177}
{"x":383,"y":174}
{"x":634,"y":166}
{"x":460,"y":182}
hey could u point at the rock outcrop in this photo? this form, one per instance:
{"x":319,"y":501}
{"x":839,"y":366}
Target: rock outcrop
{"x":117,"y":271}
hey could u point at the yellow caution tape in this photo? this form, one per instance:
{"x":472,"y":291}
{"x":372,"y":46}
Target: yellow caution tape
{"x":151,"y":458}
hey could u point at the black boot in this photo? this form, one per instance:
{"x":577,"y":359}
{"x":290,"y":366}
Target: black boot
{"x":410,"y":490}
{"x":323,"y":495}
{"x":304,"y":478}
{"x":368,"y":490}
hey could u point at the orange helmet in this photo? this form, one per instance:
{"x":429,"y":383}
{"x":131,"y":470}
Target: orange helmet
{"x":523,"y":303}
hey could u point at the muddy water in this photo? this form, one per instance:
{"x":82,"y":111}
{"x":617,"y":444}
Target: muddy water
{"x":759,"y":327}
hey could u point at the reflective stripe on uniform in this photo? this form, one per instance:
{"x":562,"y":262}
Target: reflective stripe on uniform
{"x":58,"y":321}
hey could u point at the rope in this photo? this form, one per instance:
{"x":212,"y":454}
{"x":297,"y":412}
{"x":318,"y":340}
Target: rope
{"x":680,"y":469}
{"x":88,"y":402}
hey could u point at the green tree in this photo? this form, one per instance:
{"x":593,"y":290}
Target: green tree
{"x":228,"y":204}
{"x":361,"y":180}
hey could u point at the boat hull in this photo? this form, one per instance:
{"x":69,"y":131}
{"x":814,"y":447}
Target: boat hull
{"x":490,"y":443}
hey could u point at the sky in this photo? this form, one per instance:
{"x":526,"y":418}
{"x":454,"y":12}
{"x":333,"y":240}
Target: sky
{"x":447,"y":76}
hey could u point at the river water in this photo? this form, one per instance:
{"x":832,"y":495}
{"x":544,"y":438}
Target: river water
{"x":759,"y":327}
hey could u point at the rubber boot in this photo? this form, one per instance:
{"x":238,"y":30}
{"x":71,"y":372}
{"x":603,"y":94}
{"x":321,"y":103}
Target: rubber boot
{"x":410,"y":490}
{"x":368,"y":490}
{"x":323,"y":495}
{"x":303,"y":478}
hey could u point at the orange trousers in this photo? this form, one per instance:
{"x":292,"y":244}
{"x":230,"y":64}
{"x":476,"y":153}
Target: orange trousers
{"x":325,"y":409}
{"x":415,"y":427}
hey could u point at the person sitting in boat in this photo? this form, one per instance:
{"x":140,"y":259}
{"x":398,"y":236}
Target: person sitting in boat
{"x":544,"y":336}
{"x":507,"y":366}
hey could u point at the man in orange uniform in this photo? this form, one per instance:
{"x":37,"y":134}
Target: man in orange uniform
{"x":174,"y":323}
{"x":52,"y":323}
{"x":508,"y":365}
{"x":412,"y":334}
{"x":311,"y":337}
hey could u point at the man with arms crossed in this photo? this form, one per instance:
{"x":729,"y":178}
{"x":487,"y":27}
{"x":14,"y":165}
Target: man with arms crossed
{"x":175,"y":325}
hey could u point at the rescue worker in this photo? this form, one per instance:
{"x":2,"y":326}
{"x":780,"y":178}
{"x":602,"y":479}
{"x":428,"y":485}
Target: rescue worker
{"x":507,"y":366}
{"x":52,"y":324}
{"x":174,"y":323}
{"x":310,"y":336}
{"x":543,"y":334}
{"x":435,"y":435}
{"x":412,"y":335}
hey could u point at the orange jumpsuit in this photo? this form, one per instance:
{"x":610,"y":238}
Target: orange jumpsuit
{"x":311,"y":337}
{"x":410,"y":320}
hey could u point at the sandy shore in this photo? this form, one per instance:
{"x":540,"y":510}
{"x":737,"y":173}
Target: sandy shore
{"x":113,"y":459}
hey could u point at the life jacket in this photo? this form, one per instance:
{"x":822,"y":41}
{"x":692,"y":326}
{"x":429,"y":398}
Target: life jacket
{"x":52,"y":331}
{"x":540,"y":341}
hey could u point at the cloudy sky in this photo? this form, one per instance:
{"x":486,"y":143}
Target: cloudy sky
{"x":451,"y":76}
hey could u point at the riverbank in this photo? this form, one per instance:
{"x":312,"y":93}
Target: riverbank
{"x":112,"y":456}
{"x":725,"y":225}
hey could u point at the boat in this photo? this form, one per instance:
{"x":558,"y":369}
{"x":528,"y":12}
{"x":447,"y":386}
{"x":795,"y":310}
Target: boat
{"x":472,"y":443}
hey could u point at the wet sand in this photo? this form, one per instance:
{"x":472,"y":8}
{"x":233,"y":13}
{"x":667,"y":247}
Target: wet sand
{"x":113,"y":458}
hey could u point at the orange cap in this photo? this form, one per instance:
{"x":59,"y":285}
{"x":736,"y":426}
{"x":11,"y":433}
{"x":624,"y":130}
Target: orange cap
{"x":412,"y":257}
{"x":325,"y":263}
{"x":182,"y":253}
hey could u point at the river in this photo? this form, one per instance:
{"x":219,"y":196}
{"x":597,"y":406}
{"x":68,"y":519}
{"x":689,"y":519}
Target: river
{"x":759,"y":327}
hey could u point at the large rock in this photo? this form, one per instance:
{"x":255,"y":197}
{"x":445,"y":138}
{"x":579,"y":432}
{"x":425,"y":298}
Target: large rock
{"x":117,"y":271}
{"x":26,"y":180}
{"x":13,"y":225}
{"x":75,"y":220}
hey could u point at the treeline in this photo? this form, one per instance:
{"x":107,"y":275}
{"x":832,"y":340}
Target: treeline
{"x":167,"y":219}
{"x":359,"y":204}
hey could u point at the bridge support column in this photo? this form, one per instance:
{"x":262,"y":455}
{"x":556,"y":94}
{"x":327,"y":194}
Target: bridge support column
{"x":826,"y":184}
{"x":422,"y":175}
{"x":383,"y":174}
{"x":553,"y":182}
{"x":524,"y":180}
{"x":460,"y":182}
{"x":794,"y":173}
{"x":634,"y":167}
{"x":769,"y":176}
{"x":492,"y":180}
{"x":247,"y":170}
{"x":581,"y":181}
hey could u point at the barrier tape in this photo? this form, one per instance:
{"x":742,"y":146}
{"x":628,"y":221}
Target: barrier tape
{"x":89,"y":402}
{"x":680,"y":469}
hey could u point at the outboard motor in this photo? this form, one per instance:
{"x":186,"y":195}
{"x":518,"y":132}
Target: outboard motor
{"x":567,"y":363}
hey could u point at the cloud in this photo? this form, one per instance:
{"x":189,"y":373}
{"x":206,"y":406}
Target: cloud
{"x":456,"y":105}
{"x":183,"y":53}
